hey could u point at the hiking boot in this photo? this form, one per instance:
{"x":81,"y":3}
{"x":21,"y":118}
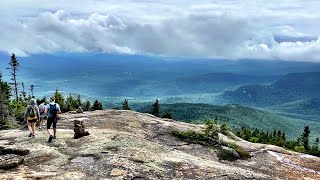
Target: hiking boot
{"x":54,"y":137}
{"x":30,"y":135}
{"x":50,"y":139}
{"x":33,"y":136}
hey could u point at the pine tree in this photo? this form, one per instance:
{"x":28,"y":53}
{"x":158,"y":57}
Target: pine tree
{"x":96,"y":105}
{"x":31,"y":89}
{"x":125,"y":105}
{"x":24,"y":94}
{"x":4,"y":101}
{"x":167,"y":115}
{"x":14,"y":67}
{"x":60,"y":100}
{"x":87,"y":106}
{"x":155,"y":108}
{"x":69,"y":102}
{"x":305,"y":138}
{"x":79,"y":101}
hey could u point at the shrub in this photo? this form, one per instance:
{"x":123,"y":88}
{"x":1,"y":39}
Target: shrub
{"x":211,"y":130}
{"x":190,"y":136}
{"x":299,"y":149}
{"x":167,"y":115}
{"x":224,"y":129}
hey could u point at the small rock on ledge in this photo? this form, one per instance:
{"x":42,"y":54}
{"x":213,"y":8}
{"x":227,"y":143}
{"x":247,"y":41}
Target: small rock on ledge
{"x":79,"y":129}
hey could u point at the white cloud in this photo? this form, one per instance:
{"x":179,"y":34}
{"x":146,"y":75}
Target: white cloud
{"x":233,"y":29}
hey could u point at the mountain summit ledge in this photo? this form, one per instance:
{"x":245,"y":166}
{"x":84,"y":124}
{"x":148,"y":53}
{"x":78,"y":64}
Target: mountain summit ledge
{"x":131,"y":145}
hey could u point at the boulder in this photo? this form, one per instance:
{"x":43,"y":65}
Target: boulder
{"x":227,"y":153}
{"x":79,"y":110}
{"x":11,"y":157}
{"x":21,"y":152}
{"x":10,"y":161}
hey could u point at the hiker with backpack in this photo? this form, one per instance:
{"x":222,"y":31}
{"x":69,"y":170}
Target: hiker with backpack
{"x":53,"y":111}
{"x":43,"y":115}
{"x":32,"y":115}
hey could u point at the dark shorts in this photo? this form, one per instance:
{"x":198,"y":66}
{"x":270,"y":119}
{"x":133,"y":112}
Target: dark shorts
{"x":52,"y":122}
{"x":32,"y":121}
{"x":43,"y":116}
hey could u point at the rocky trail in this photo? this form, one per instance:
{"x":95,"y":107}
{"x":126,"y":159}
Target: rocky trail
{"x":132,"y":145}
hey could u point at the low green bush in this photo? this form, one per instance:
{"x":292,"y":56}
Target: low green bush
{"x":299,"y":149}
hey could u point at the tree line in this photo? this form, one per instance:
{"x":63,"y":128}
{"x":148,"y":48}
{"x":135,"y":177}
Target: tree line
{"x":278,"y":138}
{"x":13,"y":101}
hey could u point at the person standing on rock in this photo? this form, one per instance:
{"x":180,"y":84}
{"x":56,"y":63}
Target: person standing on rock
{"x":32,"y":115}
{"x":53,"y":111}
{"x":43,"y":115}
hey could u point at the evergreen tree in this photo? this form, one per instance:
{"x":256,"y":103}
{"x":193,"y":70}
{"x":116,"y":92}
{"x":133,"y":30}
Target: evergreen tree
{"x":79,"y":101}
{"x":284,"y":136}
{"x":31,"y":89}
{"x":87,"y":106}
{"x":315,"y":148}
{"x":155,"y":108}
{"x":125,"y":105}
{"x":167,"y":115}
{"x":69,"y":103}
{"x":4,"y":102}
{"x":96,"y":105}
{"x":211,"y":131}
{"x":60,"y":100}
{"x":225,"y":129}
{"x":24,"y":94}
{"x":305,"y":138}
{"x":274,"y":133}
{"x":14,"y":67}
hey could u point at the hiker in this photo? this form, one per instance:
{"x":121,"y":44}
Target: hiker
{"x":32,"y":115}
{"x":43,"y":115}
{"x":53,"y":111}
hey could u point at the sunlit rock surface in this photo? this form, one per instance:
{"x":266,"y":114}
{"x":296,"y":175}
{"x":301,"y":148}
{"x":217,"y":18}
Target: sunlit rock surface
{"x":131,"y":145}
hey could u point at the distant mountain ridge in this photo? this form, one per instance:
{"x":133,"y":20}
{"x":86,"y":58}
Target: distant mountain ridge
{"x":237,"y":116}
{"x":291,"y":87}
{"x":142,"y":76}
{"x":215,"y":82}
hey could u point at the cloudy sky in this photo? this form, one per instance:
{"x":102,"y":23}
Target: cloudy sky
{"x":229,"y":29}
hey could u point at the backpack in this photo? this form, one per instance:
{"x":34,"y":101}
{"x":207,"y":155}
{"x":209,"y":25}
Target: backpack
{"x":33,"y":112}
{"x":53,"y":111}
{"x":42,"y":108}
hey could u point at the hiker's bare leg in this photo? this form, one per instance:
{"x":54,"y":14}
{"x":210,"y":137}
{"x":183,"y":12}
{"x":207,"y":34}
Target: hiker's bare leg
{"x":44,"y":122}
{"x":54,"y":131}
{"x":40,"y":124}
{"x":50,"y":131}
{"x":33,"y":127}
{"x":29,"y":127}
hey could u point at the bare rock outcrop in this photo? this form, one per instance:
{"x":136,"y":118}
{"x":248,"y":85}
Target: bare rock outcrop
{"x":9,"y":161}
{"x":11,"y":157}
{"x":130,"y":145}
